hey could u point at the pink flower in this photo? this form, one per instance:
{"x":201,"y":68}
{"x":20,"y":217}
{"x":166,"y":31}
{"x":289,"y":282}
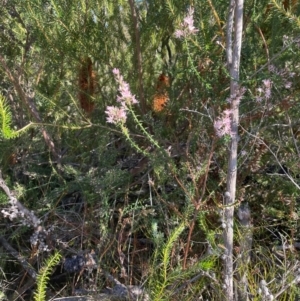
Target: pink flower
{"x":116,"y":71}
{"x":272,"y":69}
{"x":267,"y":88}
{"x":265,"y":91}
{"x":125,"y":97}
{"x":189,"y":21}
{"x":118,"y":114}
{"x":115,"y":115}
{"x":223,"y":124}
{"x":267,"y":83}
{"x":187,"y":27}
{"x":288,"y":85}
{"x":259,"y":98}
{"x":179,"y":33}
{"x":238,"y":96}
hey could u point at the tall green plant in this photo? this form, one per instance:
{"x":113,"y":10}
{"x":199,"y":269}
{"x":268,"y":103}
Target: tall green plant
{"x":43,"y":276}
{"x":160,"y":278}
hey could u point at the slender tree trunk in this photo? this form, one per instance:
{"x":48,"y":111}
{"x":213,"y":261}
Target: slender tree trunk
{"x":235,"y":21}
{"x":242,"y":262}
{"x":138,"y":55}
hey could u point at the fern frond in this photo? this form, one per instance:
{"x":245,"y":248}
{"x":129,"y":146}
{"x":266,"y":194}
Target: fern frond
{"x":161,"y":281}
{"x":169,"y":245}
{"x":43,"y":276}
{"x":6,"y":121}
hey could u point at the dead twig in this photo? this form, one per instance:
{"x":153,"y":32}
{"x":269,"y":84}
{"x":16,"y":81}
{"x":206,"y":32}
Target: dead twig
{"x":27,"y":267}
{"x":31,"y":217}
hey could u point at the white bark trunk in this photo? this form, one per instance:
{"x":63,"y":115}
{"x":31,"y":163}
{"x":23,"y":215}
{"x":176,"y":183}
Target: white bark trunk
{"x":233,"y":48}
{"x":242,"y":262}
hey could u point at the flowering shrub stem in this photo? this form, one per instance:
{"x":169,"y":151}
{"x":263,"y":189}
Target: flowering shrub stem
{"x":124,"y":130}
{"x":150,"y":138}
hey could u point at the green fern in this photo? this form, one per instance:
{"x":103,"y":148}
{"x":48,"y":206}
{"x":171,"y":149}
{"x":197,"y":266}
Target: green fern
{"x":6,"y":121}
{"x":43,"y":276}
{"x":166,"y":251}
{"x":162,"y":258}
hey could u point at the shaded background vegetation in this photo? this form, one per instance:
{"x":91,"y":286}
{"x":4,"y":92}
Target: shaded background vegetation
{"x":96,"y":194}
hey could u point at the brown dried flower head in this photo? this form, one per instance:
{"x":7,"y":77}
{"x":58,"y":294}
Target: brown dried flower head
{"x":161,"y":96}
{"x":160,"y":101}
{"x":86,"y":85}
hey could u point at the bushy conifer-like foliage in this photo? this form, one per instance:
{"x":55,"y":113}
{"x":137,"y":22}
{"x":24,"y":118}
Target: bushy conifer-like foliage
{"x":146,"y":190}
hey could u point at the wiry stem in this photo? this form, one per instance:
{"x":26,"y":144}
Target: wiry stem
{"x":25,"y":264}
{"x":150,"y":138}
{"x":197,"y":205}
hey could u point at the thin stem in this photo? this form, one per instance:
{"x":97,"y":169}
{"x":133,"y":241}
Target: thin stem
{"x":150,"y":138}
{"x":138,"y":54}
{"x":126,"y":134}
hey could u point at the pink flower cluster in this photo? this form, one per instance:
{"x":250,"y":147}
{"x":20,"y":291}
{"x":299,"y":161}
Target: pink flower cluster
{"x":223,"y":124}
{"x":117,"y":114}
{"x":238,"y":96}
{"x":264,"y":91}
{"x":187,"y":27}
{"x":285,"y":74}
{"x":125,"y":97}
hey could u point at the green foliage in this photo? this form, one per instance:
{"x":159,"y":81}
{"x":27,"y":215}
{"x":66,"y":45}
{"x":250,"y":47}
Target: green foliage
{"x":43,"y":276}
{"x":160,"y":278}
{"x":156,"y":169}
{"x":167,"y":274}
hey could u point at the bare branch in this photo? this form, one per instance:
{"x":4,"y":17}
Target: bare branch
{"x":31,"y":217}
